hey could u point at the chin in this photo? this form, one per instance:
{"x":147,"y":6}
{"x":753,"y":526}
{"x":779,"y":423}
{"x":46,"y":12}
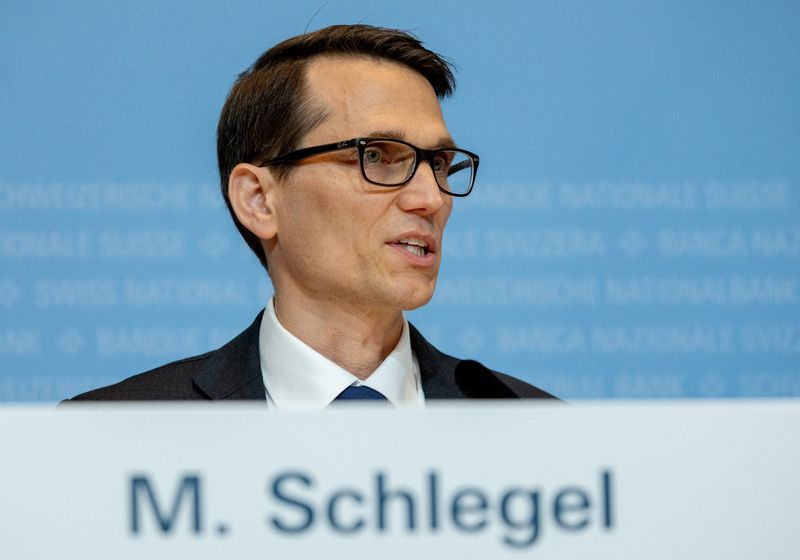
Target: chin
{"x":416,"y":305}
{"x":417,"y":299}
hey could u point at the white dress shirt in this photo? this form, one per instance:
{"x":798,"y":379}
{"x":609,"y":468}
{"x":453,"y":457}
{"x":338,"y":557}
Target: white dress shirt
{"x":297,"y":377}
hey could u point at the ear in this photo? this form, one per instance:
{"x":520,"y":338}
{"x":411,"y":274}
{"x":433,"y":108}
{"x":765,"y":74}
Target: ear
{"x":251,"y":190}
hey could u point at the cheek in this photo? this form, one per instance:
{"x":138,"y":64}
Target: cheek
{"x":446,"y":210}
{"x":321,"y":224}
{"x":443,"y":216}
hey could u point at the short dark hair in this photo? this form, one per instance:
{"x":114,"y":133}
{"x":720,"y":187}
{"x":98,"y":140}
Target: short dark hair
{"x":267,"y":111}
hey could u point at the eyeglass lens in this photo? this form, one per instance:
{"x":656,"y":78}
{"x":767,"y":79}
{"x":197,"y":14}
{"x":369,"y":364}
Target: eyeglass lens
{"x":392,"y":163}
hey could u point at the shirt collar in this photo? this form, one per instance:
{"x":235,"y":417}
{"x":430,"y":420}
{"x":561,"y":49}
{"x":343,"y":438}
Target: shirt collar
{"x":297,"y":377}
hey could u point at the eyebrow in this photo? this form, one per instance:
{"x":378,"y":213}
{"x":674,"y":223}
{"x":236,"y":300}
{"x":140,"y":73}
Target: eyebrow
{"x":443,"y":142}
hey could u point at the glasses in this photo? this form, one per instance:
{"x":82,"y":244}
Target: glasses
{"x":387,"y":162}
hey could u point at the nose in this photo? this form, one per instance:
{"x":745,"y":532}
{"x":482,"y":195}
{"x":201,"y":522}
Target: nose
{"x":421,"y":194}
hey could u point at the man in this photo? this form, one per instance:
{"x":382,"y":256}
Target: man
{"x":339,"y":172}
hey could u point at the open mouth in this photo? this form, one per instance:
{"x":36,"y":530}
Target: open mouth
{"x":415,"y":246}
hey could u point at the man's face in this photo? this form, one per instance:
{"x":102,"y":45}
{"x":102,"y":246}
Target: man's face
{"x":339,"y":238}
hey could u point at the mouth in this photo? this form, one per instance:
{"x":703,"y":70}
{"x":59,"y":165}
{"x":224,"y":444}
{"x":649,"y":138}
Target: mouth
{"x":418,"y":245}
{"x":414,"y":246}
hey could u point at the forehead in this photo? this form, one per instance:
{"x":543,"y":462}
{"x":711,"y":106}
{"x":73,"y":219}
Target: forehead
{"x":361,"y":95}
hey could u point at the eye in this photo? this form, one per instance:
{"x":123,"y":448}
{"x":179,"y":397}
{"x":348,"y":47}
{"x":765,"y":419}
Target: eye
{"x":441,"y":162}
{"x":373,"y":155}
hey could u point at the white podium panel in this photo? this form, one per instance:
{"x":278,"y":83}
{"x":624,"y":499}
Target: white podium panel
{"x":692,"y":480}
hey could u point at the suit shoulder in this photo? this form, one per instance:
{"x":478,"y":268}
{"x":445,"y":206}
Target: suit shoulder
{"x":446,"y":377}
{"x":523,"y":389}
{"x":478,"y":381}
{"x":230,"y":372}
{"x":171,"y":381}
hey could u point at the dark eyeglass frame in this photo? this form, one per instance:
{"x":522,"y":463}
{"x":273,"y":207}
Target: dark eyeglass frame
{"x":361,"y":144}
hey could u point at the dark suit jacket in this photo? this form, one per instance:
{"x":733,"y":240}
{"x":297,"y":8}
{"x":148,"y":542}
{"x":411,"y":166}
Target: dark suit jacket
{"x":234,"y":373}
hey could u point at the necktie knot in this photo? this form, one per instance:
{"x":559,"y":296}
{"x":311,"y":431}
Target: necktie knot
{"x":360,"y":393}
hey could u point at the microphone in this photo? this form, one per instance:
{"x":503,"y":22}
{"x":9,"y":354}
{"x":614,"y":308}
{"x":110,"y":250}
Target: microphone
{"x":477,"y":381}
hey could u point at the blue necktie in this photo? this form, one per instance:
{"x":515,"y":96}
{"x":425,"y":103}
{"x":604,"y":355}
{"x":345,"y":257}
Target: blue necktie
{"x":360,"y":393}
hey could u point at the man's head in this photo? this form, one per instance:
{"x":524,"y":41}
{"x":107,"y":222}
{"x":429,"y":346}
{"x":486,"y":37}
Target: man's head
{"x":321,"y":224}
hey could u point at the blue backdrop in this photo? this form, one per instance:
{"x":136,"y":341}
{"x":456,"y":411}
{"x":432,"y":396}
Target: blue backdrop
{"x":634,"y":232}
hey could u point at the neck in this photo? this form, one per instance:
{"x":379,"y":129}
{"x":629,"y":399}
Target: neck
{"x":357,"y":340}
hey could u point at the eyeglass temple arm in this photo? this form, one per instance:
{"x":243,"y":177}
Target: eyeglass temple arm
{"x":303,"y":153}
{"x":459,"y":166}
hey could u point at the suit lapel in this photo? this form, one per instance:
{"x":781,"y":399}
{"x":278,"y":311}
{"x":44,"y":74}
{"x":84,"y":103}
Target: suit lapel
{"x":234,"y":371}
{"x":446,"y":377}
{"x":436,"y":369}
